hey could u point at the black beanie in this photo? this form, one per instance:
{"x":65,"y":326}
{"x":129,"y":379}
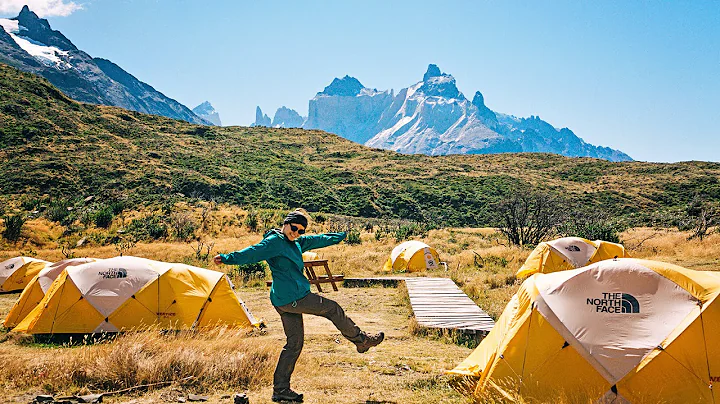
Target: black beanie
{"x":296,"y":217}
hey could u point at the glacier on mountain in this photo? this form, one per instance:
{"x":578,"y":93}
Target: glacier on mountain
{"x":433,"y":117}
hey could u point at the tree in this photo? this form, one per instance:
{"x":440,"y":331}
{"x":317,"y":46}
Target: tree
{"x":527,"y":218}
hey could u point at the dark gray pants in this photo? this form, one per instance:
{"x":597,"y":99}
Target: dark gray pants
{"x":292,"y":321}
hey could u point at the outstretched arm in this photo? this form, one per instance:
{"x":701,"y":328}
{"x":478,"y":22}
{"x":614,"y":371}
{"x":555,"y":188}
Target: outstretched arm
{"x":319,"y":241}
{"x":261,"y":251}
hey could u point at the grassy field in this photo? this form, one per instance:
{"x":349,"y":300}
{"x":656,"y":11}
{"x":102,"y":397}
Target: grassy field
{"x":407,"y":368}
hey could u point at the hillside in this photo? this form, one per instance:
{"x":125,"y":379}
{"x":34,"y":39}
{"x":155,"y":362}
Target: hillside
{"x":50,"y":144}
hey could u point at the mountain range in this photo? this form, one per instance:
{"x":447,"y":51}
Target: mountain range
{"x":430,"y":117}
{"x":28,"y":43}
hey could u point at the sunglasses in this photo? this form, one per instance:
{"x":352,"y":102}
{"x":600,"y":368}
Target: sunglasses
{"x":297,"y":229}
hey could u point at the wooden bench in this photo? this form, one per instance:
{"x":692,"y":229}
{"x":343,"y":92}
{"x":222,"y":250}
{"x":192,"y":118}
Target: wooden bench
{"x":316,"y":280}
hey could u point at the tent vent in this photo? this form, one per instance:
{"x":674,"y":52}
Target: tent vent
{"x":565,"y":345}
{"x":614,"y":389}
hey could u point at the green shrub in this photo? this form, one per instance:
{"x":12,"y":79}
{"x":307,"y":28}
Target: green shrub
{"x":104,"y":217}
{"x":353,"y":237}
{"x":407,"y":231}
{"x":248,"y":270}
{"x":117,"y":207}
{"x":591,"y":226}
{"x":320,"y":218}
{"x":13,"y":227}
{"x":148,"y":228}
{"x":251,"y":220}
{"x":183,"y":226}
{"x":58,"y":211}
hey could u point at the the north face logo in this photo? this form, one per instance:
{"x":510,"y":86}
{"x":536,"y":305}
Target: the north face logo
{"x":11,"y":266}
{"x":113,"y":273}
{"x":573,"y":248}
{"x":615,"y":302}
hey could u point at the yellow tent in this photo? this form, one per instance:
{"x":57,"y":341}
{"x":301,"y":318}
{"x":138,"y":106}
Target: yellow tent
{"x":625,"y":329}
{"x":37,"y":287}
{"x":15,"y":273}
{"x":569,"y":253}
{"x":309,"y":256}
{"x":129,"y":293}
{"x":412,"y":256}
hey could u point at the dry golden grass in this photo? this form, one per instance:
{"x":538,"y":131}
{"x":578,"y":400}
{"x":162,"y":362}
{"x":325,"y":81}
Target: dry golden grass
{"x":407,"y":368}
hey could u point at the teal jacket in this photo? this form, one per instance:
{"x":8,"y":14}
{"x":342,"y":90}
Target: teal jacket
{"x":284,"y":257}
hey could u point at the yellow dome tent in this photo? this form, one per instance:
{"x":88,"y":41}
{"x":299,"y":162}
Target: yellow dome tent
{"x":412,"y":256}
{"x":130,"y":293}
{"x":569,"y":253}
{"x":15,"y":273}
{"x":37,"y":287}
{"x":622,"y":330}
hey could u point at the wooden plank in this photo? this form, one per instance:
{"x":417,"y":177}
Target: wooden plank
{"x":439,"y":303}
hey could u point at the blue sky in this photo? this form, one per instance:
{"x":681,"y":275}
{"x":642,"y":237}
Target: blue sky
{"x":639,"y":76}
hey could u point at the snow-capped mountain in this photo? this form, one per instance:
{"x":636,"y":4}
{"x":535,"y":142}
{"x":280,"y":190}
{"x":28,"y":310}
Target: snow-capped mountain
{"x":30,"y":44}
{"x":207,"y":112}
{"x":433,"y":117}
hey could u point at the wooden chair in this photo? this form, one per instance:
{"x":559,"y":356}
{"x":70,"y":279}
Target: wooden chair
{"x":317,"y":280}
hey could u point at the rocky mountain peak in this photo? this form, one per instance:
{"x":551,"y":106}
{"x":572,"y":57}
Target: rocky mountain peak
{"x":439,"y":84}
{"x":207,"y":112}
{"x":483,"y":110}
{"x":38,"y":29}
{"x":261,"y":119}
{"x":204,"y":108}
{"x":432,"y":71}
{"x":346,"y":86}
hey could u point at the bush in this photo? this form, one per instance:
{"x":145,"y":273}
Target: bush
{"x":248,"y":270}
{"x":591,"y":226}
{"x":410,"y":230}
{"x":353,"y":237}
{"x":320,"y":218}
{"x":13,"y":227}
{"x":104,"y":217}
{"x":183,"y":226}
{"x":117,"y":207}
{"x":251,"y":221}
{"x":148,"y":228}
{"x":58,"y":211}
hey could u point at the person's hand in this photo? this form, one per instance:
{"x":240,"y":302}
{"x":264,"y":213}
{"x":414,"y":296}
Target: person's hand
{"x":217,"y":260}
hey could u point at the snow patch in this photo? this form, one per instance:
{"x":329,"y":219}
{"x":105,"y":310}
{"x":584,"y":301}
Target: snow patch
{"x":47,"y":55}
{"x":10,"y":26}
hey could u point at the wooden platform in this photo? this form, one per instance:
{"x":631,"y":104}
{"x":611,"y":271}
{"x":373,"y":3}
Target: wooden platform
{"x":439,"y":303}
{"x":385,"y":281}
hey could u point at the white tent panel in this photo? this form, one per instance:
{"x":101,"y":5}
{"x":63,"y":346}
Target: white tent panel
{"x":615,"y":313}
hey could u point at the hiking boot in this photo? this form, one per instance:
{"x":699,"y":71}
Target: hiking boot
{"x":286,"y":396}
{"x":369,"y":341}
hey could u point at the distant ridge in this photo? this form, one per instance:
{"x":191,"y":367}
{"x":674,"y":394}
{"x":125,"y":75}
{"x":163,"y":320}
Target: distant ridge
{"x":433,"y":117}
